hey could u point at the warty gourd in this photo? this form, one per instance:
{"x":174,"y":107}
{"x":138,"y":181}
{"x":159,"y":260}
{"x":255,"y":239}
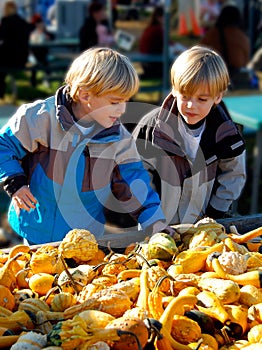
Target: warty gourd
{"x":227,"y":291}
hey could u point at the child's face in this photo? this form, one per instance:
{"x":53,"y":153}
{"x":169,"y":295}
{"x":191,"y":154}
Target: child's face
{"x":196,"y":107}
{"x":105,"y":110}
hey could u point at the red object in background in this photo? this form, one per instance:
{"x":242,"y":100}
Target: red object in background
{"x":182,"y":25}
{"x":196,"y":30}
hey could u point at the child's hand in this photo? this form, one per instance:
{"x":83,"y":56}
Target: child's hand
{"x":23,"y":199}
{"x":173,"y":233}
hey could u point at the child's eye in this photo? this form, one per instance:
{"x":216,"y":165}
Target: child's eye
{"x":118,"y":102}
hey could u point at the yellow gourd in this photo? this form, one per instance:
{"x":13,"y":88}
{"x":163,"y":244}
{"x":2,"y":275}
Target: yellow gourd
{"x":96,"y":318}
{"x":185,"y":330}
{"x":238,"y":315}
{"x":210,"y":341}
{"x":255,"y":334}
{"x":79,"y":244}
{"x":142,"y":300}
{"x":62,"y":301}
{"x":252,"y":277}
{"x":213,"y":307}
{"x":227,"y":291}
{"x":17,"y":321}
{"x":194,"y":260}
{"x":250,"y":295}
{"x":176,"y":307}
{"x":7,"y":275}
{"x":46,"y":259}
{"x":41,"y":283}
{"x":33,"y":305}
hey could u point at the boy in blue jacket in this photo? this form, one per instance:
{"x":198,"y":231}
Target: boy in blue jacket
{"x":63,"y":157}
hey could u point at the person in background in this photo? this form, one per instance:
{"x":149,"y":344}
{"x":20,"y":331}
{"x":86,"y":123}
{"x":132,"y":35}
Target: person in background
{"x":229,"y":39}
{"x":63,"y":157}
{"x":95,"y":30}
{"x":40,"y":35}
{"x":14,"y":42}
{"x":190,"y":145}
{"x":152,"y":42}
{"x":209,"y":11}
{"x":51,"y":14}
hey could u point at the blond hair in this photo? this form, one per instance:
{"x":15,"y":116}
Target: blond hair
{"x":197,"y":66}
{"x":102,"y":71}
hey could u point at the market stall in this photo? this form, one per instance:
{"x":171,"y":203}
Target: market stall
{"x":203,"y":292}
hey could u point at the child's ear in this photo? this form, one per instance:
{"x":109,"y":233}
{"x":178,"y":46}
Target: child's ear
{"x":83,"y":95}
{"x":218,"y":98}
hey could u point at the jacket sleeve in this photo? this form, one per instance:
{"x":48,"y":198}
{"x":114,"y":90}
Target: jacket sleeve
{"x":11,"y":152}
{"x":18,"y":137}
{"x":131,"y":186}
{"x":142,"y":134}
{"x":230,"y":183}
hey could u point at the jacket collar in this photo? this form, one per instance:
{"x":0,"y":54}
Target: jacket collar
{"x":64,"y":115}
{"x":165,"y":132}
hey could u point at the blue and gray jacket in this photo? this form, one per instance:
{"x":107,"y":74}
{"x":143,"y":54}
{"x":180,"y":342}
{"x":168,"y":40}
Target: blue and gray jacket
{"x":71,"y":175}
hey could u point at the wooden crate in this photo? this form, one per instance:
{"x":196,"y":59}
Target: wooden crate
{"x":121,"y":239}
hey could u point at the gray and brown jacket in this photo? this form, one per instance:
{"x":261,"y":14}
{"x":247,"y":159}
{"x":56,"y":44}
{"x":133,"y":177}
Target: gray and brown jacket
{"x":191,"y":189}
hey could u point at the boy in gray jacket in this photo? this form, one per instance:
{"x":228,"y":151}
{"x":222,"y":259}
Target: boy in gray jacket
{"x":190,"y":144}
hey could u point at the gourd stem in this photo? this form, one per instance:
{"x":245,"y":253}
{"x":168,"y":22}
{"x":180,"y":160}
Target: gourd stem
{"x":142,"y":257}
{"x":161,"y":279}
{"x":200,"y":341}
{"x":52,"y":290}
{"x":121,"y":332}
{"x":69,"y":274}
{"x":225,"y":335}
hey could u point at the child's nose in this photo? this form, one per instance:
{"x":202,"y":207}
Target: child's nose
{"x":121,"y":107}
{"x":189,"y":104}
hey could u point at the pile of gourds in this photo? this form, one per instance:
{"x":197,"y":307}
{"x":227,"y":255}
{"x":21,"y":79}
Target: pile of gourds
{"x":204,"y":292}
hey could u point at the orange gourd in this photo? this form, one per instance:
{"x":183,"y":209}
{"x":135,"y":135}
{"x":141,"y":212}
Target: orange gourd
{"x":7,"y":299}
{"x":22,"y":277}
{"x":162,"y":343}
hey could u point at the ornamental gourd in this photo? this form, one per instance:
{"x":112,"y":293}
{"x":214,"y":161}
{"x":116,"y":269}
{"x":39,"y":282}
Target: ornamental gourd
{"x":227,"y":291}
{"x":7,"y":299}
{"x":96,"y":318}
{"x":30,"y":341}
{"x":79,"y":244}
{"x":128,"y":341}
{"x":41,"y":283}
{"x":113,"y":302}
{"x":62,"y":301}
{"x":33,"y":305}
{"x":185,"y":329}
{"x":46,"y":259}
{"x":72,"y":281}
{"x":255,"y":334}
{"x":161,"y":246}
